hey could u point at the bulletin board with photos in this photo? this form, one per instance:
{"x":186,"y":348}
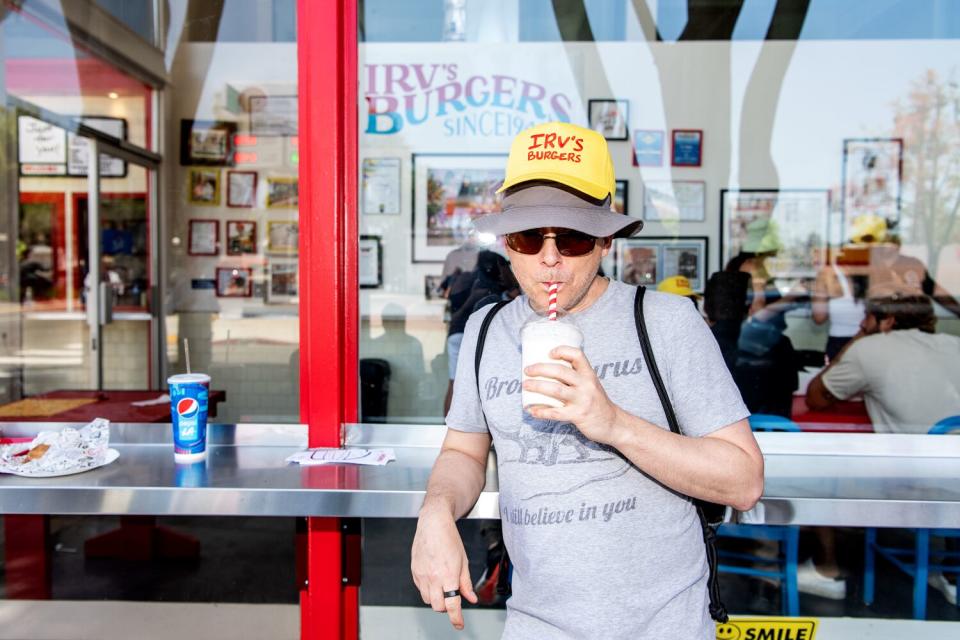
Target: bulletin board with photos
{"x":241,"y":196}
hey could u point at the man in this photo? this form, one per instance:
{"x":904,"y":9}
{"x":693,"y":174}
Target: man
{"x":910,"y":380}
{"x":909,"y":376}
{"x":603,"y":541}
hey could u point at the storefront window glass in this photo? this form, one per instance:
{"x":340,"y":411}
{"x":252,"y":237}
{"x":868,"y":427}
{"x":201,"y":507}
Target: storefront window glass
{"x":795,"y":162}
{"x":232,"y":193}
{"x":188,"y":233}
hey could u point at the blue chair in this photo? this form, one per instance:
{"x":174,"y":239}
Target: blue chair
{"x":914,"y":562}
{"x":784,"y":566}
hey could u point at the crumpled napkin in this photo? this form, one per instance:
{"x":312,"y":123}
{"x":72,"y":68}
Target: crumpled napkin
{"x":69,"y":449}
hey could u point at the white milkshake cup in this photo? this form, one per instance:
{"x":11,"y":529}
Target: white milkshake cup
{"x":537,"y":340}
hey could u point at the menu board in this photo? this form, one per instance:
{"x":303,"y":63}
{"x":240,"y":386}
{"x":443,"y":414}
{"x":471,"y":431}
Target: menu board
{"x":44,"y":149}
{"x":41,"y":148}
{"x":78,"y":153}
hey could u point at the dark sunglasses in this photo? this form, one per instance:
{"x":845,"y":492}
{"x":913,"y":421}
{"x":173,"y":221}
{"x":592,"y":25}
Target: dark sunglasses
{"x":570,"y":243}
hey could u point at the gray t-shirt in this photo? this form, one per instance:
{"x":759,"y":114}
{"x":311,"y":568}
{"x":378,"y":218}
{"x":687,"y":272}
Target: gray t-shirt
{"x":600,"y":549}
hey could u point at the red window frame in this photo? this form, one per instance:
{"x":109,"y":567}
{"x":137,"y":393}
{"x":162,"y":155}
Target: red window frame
{"x":327,"y":75}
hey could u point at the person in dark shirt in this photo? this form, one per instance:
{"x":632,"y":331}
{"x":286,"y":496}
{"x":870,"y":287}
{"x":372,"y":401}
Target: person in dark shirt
{"x":491,"y":277}
{"x":761,"y":358}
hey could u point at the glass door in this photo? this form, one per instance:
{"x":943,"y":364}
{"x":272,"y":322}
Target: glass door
{"x":80,"y":315}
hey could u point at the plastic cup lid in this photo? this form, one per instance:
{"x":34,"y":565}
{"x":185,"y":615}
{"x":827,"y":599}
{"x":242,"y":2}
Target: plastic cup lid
{"x":185,"y":378}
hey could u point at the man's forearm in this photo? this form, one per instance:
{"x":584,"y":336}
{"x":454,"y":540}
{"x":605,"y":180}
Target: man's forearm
{"x":455,"y":483}
{"x":706,"y":468}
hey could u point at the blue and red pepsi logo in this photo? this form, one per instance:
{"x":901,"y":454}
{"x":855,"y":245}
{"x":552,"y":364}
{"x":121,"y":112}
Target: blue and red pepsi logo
{"x":188,"y":407}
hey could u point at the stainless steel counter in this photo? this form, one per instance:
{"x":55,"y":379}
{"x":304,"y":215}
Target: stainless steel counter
{"x":828,"y":479}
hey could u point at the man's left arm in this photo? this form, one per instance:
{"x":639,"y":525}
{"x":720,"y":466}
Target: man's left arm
{"x":943,"y":297}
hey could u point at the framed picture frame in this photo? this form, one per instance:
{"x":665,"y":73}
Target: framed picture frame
{"x":637,"y":261}
{"x":283,"y":237}
{"x":872,"y":179}
{"x":675,"y":200}
{"x":621,"y":197}
{"x":789,"y":225}
{"x":648,"y":147}
{"x":449,"y":191}
{"x":431,"y":287}
{"x":241,"y":237}
{"x":234,"y":282}
{"x":283,"y":282}
{"x":686,"y":148}
{"x":203,"y":237}
{"x":207,"y":142}
{"x":650,"y":260}
{"x":242,"y":189}
{"x":371,"y":262}
{"x":283,"y":193}
{"x":203,"y":187}
{"x":273,"y":115}
{"x":609,"y":117}
{"x":380,"y":186}
{"x":78,"y":155}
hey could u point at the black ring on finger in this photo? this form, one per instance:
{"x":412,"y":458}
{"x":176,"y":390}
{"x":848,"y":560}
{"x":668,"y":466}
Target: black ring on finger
{"x":452,"y":594}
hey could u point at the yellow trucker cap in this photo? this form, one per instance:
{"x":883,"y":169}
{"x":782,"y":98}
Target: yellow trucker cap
{"x":678,"y":285}
{"x":564,"y":153}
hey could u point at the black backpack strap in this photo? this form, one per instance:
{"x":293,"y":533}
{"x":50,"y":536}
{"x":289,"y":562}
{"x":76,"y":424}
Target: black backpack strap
{"x":717,"y":611}
{"x":652,"y":363}
{"x":481,"y":339}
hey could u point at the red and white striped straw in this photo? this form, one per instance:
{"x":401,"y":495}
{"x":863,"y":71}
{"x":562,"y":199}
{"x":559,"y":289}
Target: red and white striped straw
{"x":552,"y":304}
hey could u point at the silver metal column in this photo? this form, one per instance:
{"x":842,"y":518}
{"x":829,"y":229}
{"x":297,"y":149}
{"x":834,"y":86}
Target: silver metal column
{"x":93,"y":279}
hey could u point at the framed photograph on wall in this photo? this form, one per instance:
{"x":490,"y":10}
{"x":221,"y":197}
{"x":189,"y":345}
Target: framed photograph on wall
{"x":273,"y":115}
{"x":234,"y":282}
{"x":621,"y":197}
{"x":203,"y":238}
{"x":241,"y":237}
{"x":650,"y":260}
{"x":676,"y":200}
{"x":431,"y":287}
{"x":380,"y":186}
{"x":648,"y":147}
{"x":872,"y":170}
{"x":609,"y":117}
{"x":207,"y":142}
{"x":449,"y":191}
{"x":242,"y":189}
{"x":371,"y":262}
{"x":283,"y":236}
{"x":686,"y":148}
{"x":637,"y":261}
{"x":283,"y":283}
{"x":203,"y":187}
{"x":283,"y":193}
{"x":788,"y":225}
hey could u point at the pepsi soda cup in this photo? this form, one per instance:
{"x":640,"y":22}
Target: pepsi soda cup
{"x":188,"y":412}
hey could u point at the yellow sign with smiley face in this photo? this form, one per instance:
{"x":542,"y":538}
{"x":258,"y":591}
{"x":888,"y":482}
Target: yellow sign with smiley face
{"x":767,"y":629}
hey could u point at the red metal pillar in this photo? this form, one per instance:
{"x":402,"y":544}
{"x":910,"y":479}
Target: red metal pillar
{"x":329,"y":322}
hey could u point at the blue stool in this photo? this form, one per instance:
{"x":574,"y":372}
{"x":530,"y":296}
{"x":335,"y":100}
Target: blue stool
{"x":914,"y":562}
{"x":784,"y":566}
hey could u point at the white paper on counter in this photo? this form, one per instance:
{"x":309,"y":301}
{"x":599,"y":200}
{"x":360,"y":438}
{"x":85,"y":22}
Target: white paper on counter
{"x":324,"y":455}
{"x":164,"y":399}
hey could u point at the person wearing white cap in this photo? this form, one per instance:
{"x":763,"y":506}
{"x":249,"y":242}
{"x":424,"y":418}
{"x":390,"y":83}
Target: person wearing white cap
{"x":595,"y":495}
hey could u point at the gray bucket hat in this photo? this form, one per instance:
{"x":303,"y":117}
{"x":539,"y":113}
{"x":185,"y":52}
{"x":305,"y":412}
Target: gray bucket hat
{"x":539,"y":204}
